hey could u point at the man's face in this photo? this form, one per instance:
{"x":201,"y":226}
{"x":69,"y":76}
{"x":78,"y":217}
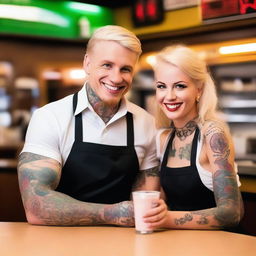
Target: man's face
{"x":110,"y":69}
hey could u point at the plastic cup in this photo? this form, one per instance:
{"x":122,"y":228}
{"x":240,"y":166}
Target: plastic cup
{"x":143,"y":201}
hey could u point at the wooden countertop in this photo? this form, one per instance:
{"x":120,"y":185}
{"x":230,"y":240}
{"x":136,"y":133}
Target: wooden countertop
{"x":18,"y":238}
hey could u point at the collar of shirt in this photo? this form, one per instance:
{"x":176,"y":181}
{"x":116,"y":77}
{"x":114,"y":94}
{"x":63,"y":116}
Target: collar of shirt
{"x":83,"y":103}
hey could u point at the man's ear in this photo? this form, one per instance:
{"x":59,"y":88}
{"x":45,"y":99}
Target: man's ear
{"x":86,"y":64}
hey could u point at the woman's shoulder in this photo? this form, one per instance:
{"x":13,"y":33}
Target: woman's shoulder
{"x":163,"y":134}
{"x":162,"y":137}
{"x":210,"y":127}
{"x":216,"y":131}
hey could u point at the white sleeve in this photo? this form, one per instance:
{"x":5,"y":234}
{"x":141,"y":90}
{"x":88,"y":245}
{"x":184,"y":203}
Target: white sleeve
{"x":148,"y":131}
{"x":160,"y":153}
{"x":158,"y":150}
{"x":43,"y":135}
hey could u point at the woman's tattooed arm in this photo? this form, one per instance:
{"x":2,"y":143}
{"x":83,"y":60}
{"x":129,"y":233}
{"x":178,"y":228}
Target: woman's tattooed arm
{"x":228,"y":211}
{"x":226,"y":191}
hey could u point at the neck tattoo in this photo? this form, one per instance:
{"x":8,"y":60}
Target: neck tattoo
{"x":105,"y":111}
{"x":184,"y":132}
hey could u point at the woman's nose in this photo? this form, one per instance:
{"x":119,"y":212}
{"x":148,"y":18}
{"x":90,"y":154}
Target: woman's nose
{"x":171,"y":95}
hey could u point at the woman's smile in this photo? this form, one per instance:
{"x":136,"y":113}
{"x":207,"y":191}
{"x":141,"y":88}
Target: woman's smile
{"x":172,"y":106}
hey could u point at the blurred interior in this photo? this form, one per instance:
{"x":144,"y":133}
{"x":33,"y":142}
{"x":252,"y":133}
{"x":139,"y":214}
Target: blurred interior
{"x":37,"y":69}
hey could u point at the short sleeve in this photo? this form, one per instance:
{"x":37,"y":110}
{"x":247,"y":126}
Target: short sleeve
{"x":148,"y":143}
{"x":160,"y":152}
{"x":43,"y":135}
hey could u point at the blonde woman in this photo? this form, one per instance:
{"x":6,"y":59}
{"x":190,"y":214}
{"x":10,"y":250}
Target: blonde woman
{"x":198,"y":175}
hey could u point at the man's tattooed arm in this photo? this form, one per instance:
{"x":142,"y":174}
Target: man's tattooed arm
{"x":229,"y":209}
{"x":147,"y":179}
{"x":38,"y":179}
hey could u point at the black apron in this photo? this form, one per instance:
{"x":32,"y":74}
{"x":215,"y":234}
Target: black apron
{"x":182,"y":185}
{"x":99,"y":173}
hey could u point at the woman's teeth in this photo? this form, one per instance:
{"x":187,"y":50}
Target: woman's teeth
{"x":173,"y":107}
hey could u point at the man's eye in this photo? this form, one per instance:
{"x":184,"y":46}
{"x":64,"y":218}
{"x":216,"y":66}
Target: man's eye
{"x":106,"y":65}
{"x":126,"y":70}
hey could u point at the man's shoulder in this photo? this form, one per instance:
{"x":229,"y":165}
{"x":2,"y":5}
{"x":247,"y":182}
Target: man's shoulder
{"x":58,"y":106}
{"x":138,"y":111}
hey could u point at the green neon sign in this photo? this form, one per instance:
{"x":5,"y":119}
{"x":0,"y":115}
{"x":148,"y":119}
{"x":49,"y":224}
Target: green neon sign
{"x":65,"y":19}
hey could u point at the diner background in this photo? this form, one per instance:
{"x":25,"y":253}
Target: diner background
{"x":42,"y":64}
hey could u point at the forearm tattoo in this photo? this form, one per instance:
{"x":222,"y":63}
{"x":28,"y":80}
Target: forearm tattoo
{"x":39,"y":176}
{"x":189,"y":216}
{"x":180,"y":221}
{"x":224,"y":180}
{"x":120,"y":214}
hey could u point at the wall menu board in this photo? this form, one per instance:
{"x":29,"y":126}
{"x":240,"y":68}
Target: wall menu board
{"x":64,"y":19}
{"x":224,"y":8}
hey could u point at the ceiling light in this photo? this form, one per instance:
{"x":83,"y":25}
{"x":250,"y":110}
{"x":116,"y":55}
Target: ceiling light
{"x":237,"y":48}
{"x":33,"y":14}
{"x":151,"y":60}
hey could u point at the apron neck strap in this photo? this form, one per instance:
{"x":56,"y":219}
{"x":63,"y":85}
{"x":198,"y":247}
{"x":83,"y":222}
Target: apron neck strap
{"x":130,"y":129}
{"x":78,"y":121}
{"x":79,"y":124}
{"x":193,"y":149}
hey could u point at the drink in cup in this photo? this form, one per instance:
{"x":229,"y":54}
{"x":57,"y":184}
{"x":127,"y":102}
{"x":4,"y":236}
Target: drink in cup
{"x":143,"y":201}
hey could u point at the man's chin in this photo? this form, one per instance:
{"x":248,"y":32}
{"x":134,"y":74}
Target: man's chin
{"x":112,"y":102}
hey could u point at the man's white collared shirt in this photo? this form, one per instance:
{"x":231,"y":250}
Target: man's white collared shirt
{"x":51,"y":129}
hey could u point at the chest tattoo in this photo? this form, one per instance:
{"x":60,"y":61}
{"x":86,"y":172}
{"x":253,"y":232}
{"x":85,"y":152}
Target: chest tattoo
{"x":181,"y":152}
{"x":172,"y":152}
{"x":185,"y":152}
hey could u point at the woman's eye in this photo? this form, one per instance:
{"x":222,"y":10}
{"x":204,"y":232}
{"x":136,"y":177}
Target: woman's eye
{"x":181,"y":86}
{"x":160,"y":86}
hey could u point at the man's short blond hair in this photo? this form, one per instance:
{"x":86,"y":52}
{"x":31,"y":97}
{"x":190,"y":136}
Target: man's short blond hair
{"x":117,"y":34}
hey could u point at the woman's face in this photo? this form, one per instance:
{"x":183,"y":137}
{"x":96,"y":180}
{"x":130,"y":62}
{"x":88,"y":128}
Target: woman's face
{"x":176,"y":93}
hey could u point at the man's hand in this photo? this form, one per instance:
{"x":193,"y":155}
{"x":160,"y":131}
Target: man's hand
{"x":121,"y":214}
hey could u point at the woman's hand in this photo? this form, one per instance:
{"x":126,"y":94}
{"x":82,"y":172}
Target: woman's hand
{"x":157,"y":217}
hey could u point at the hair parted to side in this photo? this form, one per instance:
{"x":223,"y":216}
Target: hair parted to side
{"x":195,"y":68}
{"x":117,"y":34}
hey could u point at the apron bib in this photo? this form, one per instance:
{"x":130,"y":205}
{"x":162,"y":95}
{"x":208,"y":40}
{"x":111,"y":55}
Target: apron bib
{"x":182,"y":185}
{"x":99,"y":173}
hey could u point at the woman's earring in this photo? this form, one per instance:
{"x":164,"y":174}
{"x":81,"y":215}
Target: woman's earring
{"x":197,"y":99}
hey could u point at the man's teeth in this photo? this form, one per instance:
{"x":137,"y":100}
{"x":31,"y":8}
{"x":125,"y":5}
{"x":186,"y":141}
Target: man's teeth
{"x":173,"y":106}
{"x":115,"y":88}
